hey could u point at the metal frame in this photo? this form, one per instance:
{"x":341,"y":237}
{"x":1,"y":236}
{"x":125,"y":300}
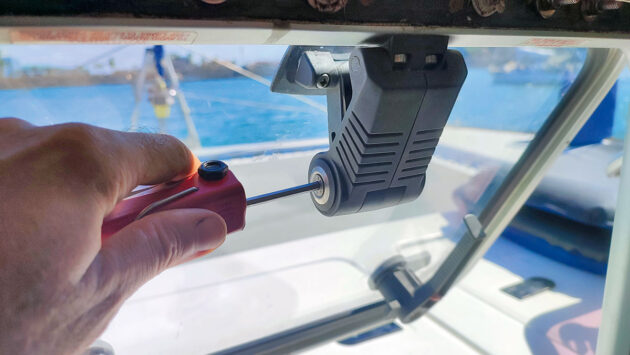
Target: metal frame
{"x":615,"y":325}
{"x":596,"y":78}
{"x":459,"y":15}
{"x":601,"y":69}
{"x":272,"y":33}
{"x":321,"y":331}
{"x":599,"y":73}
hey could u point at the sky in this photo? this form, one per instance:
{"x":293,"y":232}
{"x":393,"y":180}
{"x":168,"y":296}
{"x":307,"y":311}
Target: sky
{"x":130,"y":56}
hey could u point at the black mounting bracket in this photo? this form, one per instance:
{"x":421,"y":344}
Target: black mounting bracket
{"x":388,"y":103}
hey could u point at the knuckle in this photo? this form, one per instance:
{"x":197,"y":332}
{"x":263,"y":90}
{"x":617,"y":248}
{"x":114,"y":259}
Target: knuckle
{"x":163,"y":144}
{"x":179,"y":147}
{"x":79,"y":152}
{"x":76,"y":135}
{"x":172,"y":144}
{"x":7,"y":123}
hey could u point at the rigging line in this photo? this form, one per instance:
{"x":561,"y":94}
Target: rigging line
{"x":102,"y":56}
{"x":251,"y":75}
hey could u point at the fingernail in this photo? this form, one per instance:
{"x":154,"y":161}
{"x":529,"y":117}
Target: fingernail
{"x":211,"y":231}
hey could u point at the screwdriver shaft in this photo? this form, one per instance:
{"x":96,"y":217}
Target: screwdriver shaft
{"x":283,"y":193}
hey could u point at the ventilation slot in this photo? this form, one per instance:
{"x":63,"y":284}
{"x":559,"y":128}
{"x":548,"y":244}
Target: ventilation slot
{"x":344,"y":162}
{"x":427,"y":138}
{"x":430,"y":133}
{"x":372,"y":140}
{"x":420,"y":154}
{"x":363,"y":165}
{"x":422,"y":168}
{"x":367,"y":157}
{"x":359,"y":172}
{"x":425,"y":143}
{"x":407,"y":177}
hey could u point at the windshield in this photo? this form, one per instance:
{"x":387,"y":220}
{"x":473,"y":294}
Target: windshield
{"x":291,"y":264}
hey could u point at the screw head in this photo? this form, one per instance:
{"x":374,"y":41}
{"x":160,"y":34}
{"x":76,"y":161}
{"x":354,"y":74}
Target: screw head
{"x":609,"y":5}
{"x":212,"y":170}
{"x":323,"y":81}
{"x":564,"y":2}
{"x":328,"y":5}
{"x":321,"y":195}
{"x":546,"y":8}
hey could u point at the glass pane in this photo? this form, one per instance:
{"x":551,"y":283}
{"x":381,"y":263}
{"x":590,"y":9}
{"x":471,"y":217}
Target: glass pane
{"x":291,"y":264}
{"x":79,"y":79}
{"x":623,"y":105}
{"x":538,"y":77}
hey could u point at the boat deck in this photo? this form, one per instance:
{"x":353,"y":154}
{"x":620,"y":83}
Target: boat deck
{"x":291,"y":265}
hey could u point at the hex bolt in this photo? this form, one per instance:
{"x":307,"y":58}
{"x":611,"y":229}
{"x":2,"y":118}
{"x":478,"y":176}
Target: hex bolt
{"x":323,"y":81}
{"x":547,"y":8}
{"x":328,"y":5}
{"x":558,"y":3}
{"x":591,"y":8}
{"x":485,"y":8}
{"x":609,"y":5}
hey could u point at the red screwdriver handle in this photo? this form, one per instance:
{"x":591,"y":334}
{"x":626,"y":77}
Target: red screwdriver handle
{"x":214,"y":188}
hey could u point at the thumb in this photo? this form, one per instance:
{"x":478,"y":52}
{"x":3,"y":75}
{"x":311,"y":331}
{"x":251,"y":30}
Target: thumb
{"x":152,"y":244}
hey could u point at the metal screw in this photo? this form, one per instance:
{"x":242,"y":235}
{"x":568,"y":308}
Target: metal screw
{"x":323,"y":81}
{"x":609,"y":5}
{"x":591,"y":8}
{"x":558,"y":3}
{"x":322,"y":194}
{"x":328,"y":5}
{"x":486,"y":8}
{"x":547,"y":8}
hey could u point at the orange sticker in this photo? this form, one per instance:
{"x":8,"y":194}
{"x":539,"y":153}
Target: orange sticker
{"x":55,"y":35}
{"x":552,"y":42}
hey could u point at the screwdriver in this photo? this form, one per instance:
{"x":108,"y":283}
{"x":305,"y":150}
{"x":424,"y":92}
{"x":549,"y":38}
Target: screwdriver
{"x":315,"y":185}
{"x":213,"y":187}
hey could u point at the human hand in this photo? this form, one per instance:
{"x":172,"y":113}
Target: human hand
{"x":59,"y":285}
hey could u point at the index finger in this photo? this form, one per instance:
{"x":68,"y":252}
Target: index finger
{"x":147,"y":159}
{"x":128,"y":159}
{"x":156,"y":158}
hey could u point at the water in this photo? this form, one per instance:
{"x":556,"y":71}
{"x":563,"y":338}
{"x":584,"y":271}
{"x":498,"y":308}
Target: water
{"x":225,"y":111}
{"x":239,"y":110}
